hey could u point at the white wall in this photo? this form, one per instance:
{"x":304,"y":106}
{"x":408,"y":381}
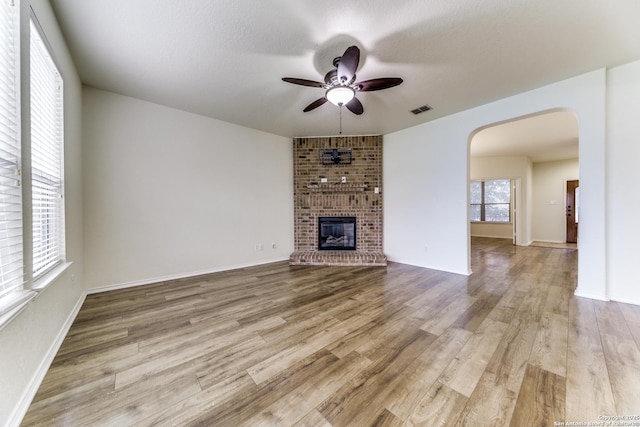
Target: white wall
{"x":426,"y":192}
{"x":29,"y":342}
{"x":171,"y":194}
{"x":549,"y":189}
{"x":623,"y":176}
{"x":497,"y":167}
{"x":495,"y":230}
{"x":426,"y":180}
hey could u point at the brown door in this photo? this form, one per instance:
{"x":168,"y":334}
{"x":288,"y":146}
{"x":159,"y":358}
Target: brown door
{"x":572,"y":219}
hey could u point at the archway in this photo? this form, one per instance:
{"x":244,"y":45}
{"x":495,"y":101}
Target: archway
{"x":538,"y":153}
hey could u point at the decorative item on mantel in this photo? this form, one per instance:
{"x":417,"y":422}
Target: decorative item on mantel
{"x":336,"y":156}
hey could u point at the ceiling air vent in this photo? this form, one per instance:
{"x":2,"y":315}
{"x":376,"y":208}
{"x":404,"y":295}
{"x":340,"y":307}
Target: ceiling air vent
{"x":421,"y":109}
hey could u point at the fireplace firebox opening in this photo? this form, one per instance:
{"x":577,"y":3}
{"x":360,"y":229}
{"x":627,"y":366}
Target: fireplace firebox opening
{"x":337,"y":233}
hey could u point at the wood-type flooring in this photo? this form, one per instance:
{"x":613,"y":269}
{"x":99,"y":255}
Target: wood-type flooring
{"x":277,"y":345}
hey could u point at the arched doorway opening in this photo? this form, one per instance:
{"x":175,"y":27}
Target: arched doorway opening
{"x":537,"y":155}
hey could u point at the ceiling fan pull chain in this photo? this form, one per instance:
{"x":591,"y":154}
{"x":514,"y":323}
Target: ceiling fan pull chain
{"x":340,"y":118}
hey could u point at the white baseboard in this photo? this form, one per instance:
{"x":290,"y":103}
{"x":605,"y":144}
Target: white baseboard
{"x":399,"y":261}
{"x":625,"y":300}
{"x":598,"y":297}
{"x":27,"y":397}
{"x":151,"y":281}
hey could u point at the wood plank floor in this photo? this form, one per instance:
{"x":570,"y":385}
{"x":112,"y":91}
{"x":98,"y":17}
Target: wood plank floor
{"x":277,"y":345}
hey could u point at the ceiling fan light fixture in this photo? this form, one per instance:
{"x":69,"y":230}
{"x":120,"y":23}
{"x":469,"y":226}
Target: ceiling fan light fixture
{"x":339,"y":83}
{"x":340,"y":95}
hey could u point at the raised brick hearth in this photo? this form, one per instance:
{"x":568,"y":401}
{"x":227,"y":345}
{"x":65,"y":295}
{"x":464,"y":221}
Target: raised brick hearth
{"x":357,"y":197}
{"x":337,"y":258}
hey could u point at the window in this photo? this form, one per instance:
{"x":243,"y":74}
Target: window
{"x":491,"y":201}
{"x":23,"y":266}
{"x":11,"y":258}
{"x":46,"y":157}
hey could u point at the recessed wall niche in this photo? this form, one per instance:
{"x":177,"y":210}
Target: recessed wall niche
{"x":338,"y":189}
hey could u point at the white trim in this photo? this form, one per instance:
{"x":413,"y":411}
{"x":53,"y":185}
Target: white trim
{"x":391,"y":259}
{"x":625,"y":300}
{"x":51,"y":276}
{"x":598,"y":297}
{"x":493,"y":222}
{"x":18,"y":303}
{"x":152,"y":281}
{"x":25,"y":296}
{"x":30,"y":392}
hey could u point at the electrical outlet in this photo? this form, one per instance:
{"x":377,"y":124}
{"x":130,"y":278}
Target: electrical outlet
{"x":344,"y":179}
{"x":376,"y":190}
{"x":323,"y":179}
{"x":261,"y":247}
{"x":273,"y":245}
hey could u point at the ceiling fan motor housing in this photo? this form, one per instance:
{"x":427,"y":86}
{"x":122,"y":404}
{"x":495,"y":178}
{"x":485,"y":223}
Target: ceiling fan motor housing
{"x":331,"y":78}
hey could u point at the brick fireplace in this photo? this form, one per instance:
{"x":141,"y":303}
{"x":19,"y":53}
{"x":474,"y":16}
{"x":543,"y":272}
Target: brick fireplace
{"x":320,"y":164}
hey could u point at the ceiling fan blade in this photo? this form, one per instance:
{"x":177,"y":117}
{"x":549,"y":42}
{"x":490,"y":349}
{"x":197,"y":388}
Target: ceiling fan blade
{"x":315,"y":104}
{"x":348,"y":64}
{"x":303,"y":82}
{"x":378,"y":84}
{"x":355,"y":106}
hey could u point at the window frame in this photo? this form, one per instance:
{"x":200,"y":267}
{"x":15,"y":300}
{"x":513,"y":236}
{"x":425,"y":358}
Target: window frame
{"x":14,"y":301}
{"x":483,"y":204}
{"x":14,"y":293}
{"x":47,"y":157}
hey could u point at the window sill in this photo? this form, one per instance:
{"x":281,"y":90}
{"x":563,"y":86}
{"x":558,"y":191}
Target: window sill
{"x":51,"y":276}
{"x":491,"y":222}
{"x":14,"y":303}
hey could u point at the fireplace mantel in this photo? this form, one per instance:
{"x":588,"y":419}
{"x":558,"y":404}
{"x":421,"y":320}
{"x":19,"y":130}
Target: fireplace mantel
{"x":336,"y":188}
{"x":320,"y":191}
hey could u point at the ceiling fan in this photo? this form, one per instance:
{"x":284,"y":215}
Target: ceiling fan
{"x":340,"y":84}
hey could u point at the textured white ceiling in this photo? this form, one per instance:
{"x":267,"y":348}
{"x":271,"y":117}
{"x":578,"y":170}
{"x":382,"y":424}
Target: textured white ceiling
{"x":225,"y":58}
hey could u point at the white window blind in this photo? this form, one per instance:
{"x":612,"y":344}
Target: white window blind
{"x":11,"y":261}
{"x":46,"y":157}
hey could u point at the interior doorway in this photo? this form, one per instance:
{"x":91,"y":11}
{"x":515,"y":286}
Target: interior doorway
{"x":572,"y":204}
{"x":540,"y":152}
